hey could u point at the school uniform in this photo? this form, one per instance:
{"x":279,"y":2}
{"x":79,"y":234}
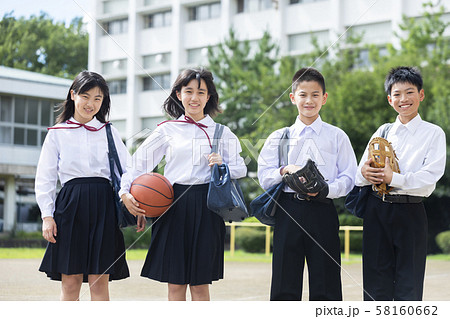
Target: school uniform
{"x":88,"y":239}
{"x":308,"y":229}
{"x":187,"y":242}
{"x":395,"y":228}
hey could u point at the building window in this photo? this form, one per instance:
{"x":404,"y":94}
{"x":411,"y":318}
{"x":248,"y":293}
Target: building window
{"x":24,"y":121}
{"x":6,"y":110}
{"x":115,"y":27}
{"x":157,"y":82}
{"x":114,"y":67}
{"x":150,"y":2}
{"x":115,"y":6}
{"x":197,"y":56}
{"x":120,"y":125}
{"x":5,"y":135}
{"x":158,"y":20}
{"x":204,"y":11}
{"x":303,"y":1}
{"x":253,"y":5}
{"x":302,"y":42}
{"x":151,"y":122}
{"x":364,"y":57}
{"x":374,"y":33}
{"x":117,"y":86}
{"x":156,"y":60}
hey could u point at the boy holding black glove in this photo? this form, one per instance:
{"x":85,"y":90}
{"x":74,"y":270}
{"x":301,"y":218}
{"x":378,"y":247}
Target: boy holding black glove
{"x":307,"y":225}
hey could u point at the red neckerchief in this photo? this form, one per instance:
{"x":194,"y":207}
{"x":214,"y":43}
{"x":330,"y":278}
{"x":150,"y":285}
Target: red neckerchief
{"x":87,"y":127}
{"x":189,"y":120}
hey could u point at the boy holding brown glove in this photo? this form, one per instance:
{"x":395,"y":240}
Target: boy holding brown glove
{"x":395,"y":224}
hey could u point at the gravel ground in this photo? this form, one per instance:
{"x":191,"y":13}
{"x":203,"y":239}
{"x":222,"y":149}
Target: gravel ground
{"x":21,"y":281}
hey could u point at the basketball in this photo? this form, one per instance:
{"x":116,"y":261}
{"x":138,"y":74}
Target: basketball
{"x":153,"y":192}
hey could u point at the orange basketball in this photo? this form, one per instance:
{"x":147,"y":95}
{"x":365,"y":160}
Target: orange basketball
{"x":153,"y":192}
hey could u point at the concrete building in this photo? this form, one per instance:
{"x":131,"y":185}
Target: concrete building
{"x":27,"y":101}
{"x":141,"y":45}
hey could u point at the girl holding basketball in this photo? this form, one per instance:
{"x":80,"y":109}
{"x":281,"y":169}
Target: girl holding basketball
{"x":187,"y":244}
{"x":85,"y":243}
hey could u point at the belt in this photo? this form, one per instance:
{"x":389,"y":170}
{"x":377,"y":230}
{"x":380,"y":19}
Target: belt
{"x":297,"y":198}
{"x":400,"y":199}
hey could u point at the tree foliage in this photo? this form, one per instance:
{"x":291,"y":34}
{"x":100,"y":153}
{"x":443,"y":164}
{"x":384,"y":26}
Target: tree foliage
{"x":40,"y":45}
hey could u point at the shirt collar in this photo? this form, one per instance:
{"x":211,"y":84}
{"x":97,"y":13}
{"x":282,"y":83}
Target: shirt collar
{"x":411,"y":126}
{"x":316,"y":125}
{"x":94,"y":122}
{"x":207,"y":120}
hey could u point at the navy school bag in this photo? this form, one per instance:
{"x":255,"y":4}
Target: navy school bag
{"x":356,"y":200}
{"x":124,"y":217}
{"x":264,"y":206}
{"x":225,"y":196}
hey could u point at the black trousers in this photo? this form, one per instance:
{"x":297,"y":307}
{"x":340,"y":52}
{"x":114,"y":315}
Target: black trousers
{"x":394,"y":250}
{"x":313,"y":236}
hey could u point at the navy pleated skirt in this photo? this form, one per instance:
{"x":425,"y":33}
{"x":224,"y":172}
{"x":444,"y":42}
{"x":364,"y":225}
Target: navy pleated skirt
{"x":187,"y":242}
{"x":88,"y":240}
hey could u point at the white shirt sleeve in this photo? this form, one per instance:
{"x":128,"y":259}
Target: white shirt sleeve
{"x":268,"y":161}
{"x":360,"y":180}
{"x":47,"y":176}
{"x":145,"y":159}
{"x":231,"y":148}
{"x":432,"y":167}
{"x":346,"y":169}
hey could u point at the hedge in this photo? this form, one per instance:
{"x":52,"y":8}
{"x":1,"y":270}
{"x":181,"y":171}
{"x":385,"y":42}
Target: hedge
{"x":251,"y":239}
{"x":443,"y":241}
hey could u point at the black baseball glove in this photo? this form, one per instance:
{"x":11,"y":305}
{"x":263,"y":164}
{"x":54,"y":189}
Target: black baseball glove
{"x":307,"y":180}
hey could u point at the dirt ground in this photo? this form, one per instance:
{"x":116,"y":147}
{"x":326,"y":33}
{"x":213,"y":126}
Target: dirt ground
{"x":21,"y":281}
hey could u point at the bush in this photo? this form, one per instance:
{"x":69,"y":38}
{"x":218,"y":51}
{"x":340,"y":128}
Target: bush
{"x":355,"y":241}
{"x":347,"y":219}
{"x":23,"y":239}
{"x":138,"y":240}
{"x":251,"y":239}
{"x":443,"y":241}
{"x":27,"y":235}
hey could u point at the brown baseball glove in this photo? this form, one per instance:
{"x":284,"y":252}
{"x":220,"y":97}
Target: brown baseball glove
{"x":379,"y":149}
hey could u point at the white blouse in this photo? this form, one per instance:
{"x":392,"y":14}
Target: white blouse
{"x":186,"y":148}
{"x":421,"y":151}
{"x":71,"y":153}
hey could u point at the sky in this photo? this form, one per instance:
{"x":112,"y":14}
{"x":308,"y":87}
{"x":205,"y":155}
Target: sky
{"x":59,"y":10}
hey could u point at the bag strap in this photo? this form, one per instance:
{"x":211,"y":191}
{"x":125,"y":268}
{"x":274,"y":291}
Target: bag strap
{"x":217,"y":136}
{"x":386,"y":130}
{"x":283,"y":148}
{"x":112,"y":153}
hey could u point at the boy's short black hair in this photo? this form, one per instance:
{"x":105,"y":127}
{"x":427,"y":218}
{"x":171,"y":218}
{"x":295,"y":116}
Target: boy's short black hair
{"x":403,"y":74}
{"x":307,"y":75}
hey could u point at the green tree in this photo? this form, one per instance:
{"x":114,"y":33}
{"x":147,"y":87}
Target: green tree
{"x":40,"y":45}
